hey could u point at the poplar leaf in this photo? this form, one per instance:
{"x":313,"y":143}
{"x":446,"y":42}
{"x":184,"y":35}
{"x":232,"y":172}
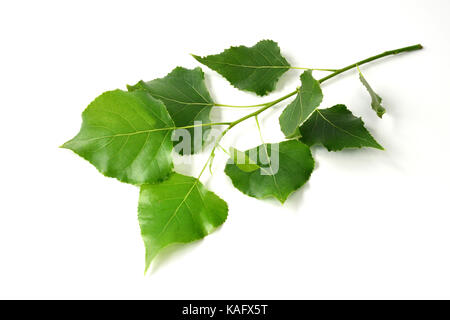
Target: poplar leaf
{"x":284,"y":167}
{"x":336,"y":128}
{"x":187,"y":99}
{"x":256,"y":69}
{"x":178,"y":210}
{"x":126,"y":135}
{"x":376,"y":99}
{"x":307,"y":100}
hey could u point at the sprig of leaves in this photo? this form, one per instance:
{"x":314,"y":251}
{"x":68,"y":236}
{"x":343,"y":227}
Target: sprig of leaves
{"x":128,"y":135}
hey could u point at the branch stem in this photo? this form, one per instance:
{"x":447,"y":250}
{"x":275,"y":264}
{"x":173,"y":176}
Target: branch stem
{"x":270,"y":104}
{"x":230,"y":106}
{"x":202,"y":125}
{"x":376,"y":57}
{"x":334,"y":74}
{"x":317,"y":69}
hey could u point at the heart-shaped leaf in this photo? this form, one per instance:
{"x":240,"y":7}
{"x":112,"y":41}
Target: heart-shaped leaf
{"x":178,"y":210}
{"x":256,"y":69}
{"x":126,"y":135}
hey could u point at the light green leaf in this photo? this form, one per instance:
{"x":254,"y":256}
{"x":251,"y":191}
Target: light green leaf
{"x":336,"y":128}
{"x":126,"y":135}
{"x":308,"y":99}
{"x":178,"y":210}
{"x":295,"y":135}
{"x":256,"y":69}
{"x":187,"y":99}
{"x":376,"y":99}
{"x":243,"y":161}
{"x":285,"y":167}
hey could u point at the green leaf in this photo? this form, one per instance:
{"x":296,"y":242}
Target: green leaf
{"x":295,"y":135}
{"x":243,"y":161}
{"x":308,"y":99}
{"x":126,"y":135}
{"x":256,"y":69}
{"x":178,"y":210}
{"x":187,"y":99}
{"x":285,"y":167}
{"x":376,"y":99}
{"x":336,"y":128}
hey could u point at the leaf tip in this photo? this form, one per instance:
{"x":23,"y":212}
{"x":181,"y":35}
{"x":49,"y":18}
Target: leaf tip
{"x":150,"y":254}
{"x":147,"y":266}
{"x":196,"y":57}
{"x":381,"y":112}
{"x":65,"y":145}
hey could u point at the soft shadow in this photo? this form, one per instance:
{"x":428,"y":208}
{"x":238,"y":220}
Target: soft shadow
{"x":314,"y":155}
{"x":290,"y":79}
{"x":183,"y":164}
{"x":172,"y":252}
{"x":216,"y":113}
{"x":209,"y":86}
{"x":295,"y":200}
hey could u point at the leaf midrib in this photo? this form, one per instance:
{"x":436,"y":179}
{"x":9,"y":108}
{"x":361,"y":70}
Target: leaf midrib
{"x":178,"y":208}
{"x":249,"y":66}
{"x":183,"y":102}
{"x":124,"y":134}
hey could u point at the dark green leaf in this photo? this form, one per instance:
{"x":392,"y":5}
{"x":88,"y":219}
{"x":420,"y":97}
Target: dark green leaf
{"x":126,"y":135}
{"x":187,"y":99}
{"x":243,"y":161}
{"x":336,"y":128}
{"x":376,"y":99}
{"x":256,"y":69}
{"x":285,"y":167}
{"x":178,"y":210}
{"x":307,"y":100}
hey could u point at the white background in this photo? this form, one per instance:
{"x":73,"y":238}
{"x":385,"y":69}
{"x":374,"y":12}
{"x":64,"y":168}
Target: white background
{"x":369,"y":224}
